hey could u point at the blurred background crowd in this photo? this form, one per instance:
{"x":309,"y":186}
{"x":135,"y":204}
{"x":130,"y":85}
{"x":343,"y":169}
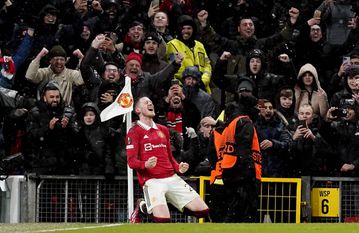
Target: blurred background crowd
{"x":64,"y":61}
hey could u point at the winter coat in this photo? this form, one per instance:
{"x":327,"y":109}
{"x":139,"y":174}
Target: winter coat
{"x":96,"y":157}
{"x":67,"y":79}
{"x":193,"y":56}
{"x":317,"y":98}
{"x":50,"y":152}
{"x":274,"y":159}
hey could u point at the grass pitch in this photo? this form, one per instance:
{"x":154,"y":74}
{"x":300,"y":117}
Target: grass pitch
{"x":181,"y":228}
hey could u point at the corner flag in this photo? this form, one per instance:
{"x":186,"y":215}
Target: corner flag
{"x":122,"y":105}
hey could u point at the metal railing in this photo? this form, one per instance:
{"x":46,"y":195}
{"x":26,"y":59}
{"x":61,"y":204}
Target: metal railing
{"x":279,"y":199}
{"x":95,"y":199}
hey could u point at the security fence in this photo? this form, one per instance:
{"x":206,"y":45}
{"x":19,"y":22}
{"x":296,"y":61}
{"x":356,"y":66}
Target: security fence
{"x":335,"y":199}
{"x":279,"y":199}
{"x":94,"y":199}
{"x":82,"y":199}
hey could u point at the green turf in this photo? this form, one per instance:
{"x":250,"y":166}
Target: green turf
{"x":182,"y":228}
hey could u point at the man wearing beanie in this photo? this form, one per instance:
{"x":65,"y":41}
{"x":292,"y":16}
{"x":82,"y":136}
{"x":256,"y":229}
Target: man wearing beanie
{"x":57,"y":71}
{"x":195,"y":53}
{"x":146,"y":84}
{"x":151,"y":61}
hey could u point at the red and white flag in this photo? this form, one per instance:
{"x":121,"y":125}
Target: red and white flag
{"x":122,"y":105}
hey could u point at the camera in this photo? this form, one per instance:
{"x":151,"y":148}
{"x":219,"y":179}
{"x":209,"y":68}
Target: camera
{"x":69,"y":111}
{"x":339,"y":112}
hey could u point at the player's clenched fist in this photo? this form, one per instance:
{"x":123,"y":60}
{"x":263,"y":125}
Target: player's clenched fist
{"x":183,"y":167}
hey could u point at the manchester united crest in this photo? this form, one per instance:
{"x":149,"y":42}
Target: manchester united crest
{"x":125,"y":100}
{"x":160,"y":134}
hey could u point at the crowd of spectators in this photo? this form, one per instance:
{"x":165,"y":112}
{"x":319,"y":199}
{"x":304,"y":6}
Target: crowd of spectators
{"x":64,"y":61}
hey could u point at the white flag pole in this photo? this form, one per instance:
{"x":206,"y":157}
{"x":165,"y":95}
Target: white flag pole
{"x":130,"y":193}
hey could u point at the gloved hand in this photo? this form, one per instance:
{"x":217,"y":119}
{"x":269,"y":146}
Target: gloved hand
{"x":190,"y":132}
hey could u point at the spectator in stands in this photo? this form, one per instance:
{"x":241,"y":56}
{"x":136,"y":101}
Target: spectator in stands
{"x":344,"y":136}
{"x":309,"y":91}
{"x":193,"y":50}
{"x":246,"y":41}
{"x":114,"y":18}
{"x":311,"y":38}
{"x":351,"y":87}
{"x":49,"y":31}
{"x":95,"y":70}
{"x":51,"y":129}
{"x":337,"y":81}
{"x":350,"y":83}
{"x":275,"y":141}
{"x":151,"y":62}
{"x":143,"y":83}
{"x":264,"y":81}
{"x":199,"y":162}
{"x":9,"y":64}
{"x":96,"y":155}
{"x":338,"y":18}
{"x":133,"y":40}
{"x":284,"y":105}
{"x":178,"y":113}
{"x":57,"y":71}
{"x":307,"y":144}
{"x":191,"y":77}
{"x":160,"y":23}
{"x":14,"y":109}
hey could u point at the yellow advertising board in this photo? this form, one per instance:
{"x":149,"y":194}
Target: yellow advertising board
{"x":325,"y":202}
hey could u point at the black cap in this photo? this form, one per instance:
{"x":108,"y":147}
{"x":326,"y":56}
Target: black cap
{"x":152,"y":36}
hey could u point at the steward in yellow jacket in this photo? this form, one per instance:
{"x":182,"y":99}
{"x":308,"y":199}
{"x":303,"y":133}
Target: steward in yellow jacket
{"x":193,"y":51}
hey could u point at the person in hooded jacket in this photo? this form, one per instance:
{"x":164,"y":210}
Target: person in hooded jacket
{"x":192,"y":92}
{"x":245,"y":41}
{"x":96,"y":158}
{"x":193,"y":50}
{"x":264,"y":81}
{"x":308,"y":91}
{"x":49,"y":31}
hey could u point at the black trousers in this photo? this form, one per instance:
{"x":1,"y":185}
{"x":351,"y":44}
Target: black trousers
{"x":242,"y":201}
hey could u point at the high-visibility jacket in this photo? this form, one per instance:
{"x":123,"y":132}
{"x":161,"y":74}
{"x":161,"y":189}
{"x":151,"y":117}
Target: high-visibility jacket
{"x":225,"y":143}
{"x":196,"y":56}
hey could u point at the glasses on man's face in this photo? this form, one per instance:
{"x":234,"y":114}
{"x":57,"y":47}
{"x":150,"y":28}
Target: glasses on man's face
{"x":112,"y":70}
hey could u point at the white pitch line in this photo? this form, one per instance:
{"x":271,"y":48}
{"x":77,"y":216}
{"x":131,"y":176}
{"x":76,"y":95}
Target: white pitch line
{"x":80,"y":228}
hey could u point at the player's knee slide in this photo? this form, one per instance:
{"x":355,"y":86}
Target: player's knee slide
{"x":198,"y":213}
{"x":161,"y":220}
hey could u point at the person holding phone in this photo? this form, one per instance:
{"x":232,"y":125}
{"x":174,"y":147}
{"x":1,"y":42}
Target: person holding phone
{"x":307,"y":146}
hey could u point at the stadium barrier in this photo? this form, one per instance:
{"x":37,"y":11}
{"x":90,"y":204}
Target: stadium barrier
{"x":90,"y":199}
{"x":334,"y":199}
{"x":279,"y":199}
{"x":94,"y":199}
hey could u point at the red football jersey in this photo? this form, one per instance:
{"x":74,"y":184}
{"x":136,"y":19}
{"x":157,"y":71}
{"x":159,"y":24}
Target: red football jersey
{"x":143,"y":142}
